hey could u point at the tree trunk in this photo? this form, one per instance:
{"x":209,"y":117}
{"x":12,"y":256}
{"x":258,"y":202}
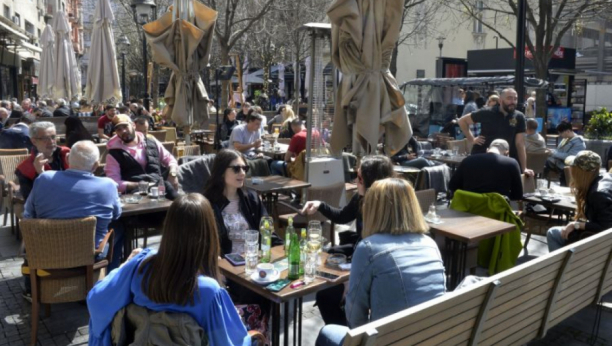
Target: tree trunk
{"x":224,"y":84}
{"x":541,"y":107}
{"x":393,"y":66}
{"x":296,"y":80}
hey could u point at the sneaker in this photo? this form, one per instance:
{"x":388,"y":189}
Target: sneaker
{"x":27,"y":296}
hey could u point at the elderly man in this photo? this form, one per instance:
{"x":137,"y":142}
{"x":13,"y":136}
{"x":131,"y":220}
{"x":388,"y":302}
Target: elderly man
{"x":62,"y":109}
{"x":83,"y":194}
{"x":46,"y":156}
{"x":499,"y":122}
{"x":133,"y":157}
{"x":4,"y":117}
{"x":490,"y":172}
{"x":534,"y":142}
{"x":26,"y":104}
{"x":105,"y":122}
{"x":246,"y":137}
{"x":18,"y":136}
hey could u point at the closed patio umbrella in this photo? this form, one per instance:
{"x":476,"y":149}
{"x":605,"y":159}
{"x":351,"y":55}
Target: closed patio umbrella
{"x":103,"y":84}
{"x":67,"y":78}
{"x":368,"y":102}
{"x":181,"y":40}
{"x":47,"y":63}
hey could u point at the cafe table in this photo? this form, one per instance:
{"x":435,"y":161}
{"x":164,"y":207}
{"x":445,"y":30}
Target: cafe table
{"x":461,"y":229}
{"x":408,"y":173}
{"x":284,"y":297}
{"x":269,"y":187}
{"x":452,"y":161}
{"x":557,"y":198}
{"x":276,"y":154}
{"x":129,"y":211}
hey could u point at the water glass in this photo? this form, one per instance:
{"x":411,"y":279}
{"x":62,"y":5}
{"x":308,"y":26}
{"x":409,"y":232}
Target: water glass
{"x":310,"y":267}
{"x":251,"y":249}
{"x":143,"y":187}
{"x":542,"y":184}
{"x":455,"y":152}
{"x":251,"y":237}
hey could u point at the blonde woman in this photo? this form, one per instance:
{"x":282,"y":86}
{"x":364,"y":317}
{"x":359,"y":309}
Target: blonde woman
{"x":395,"y":252}
{"x":288,"y":116}
{"x":593,"y":194}
{"x":493,"y":101}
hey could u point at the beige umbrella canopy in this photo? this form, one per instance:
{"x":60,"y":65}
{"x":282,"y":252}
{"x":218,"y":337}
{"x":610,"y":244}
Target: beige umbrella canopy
{"x":102,"y":75}
{"x":67,"y":77}
{"x":47,"y":63}
{"x":180,"y":40}
{"x":369,"y":102}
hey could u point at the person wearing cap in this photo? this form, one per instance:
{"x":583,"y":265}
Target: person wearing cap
{"x":593,"y":193}
{"x":133,"y":157}
{"x":570,"y":145}
{"x":105,"y":123}
{"x":490,"y":172}
{"x":18,"y":136}
{"x":46,"y":155}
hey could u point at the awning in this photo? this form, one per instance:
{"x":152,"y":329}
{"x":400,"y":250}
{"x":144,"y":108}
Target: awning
{"x":31,"y":47}
{"x":6,"y":28}
{"x":504,"y":80}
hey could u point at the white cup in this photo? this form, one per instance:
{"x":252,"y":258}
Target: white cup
{"x":265,"y":270}
{"x":154,"y":191}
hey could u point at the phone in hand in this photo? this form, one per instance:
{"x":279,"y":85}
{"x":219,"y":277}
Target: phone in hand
{"x":235,"y":259}
{"x":327,"y":276}
{"x":278,"y":285}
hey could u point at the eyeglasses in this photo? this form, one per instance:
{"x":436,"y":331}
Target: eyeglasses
{"x":237,"y":168}
{"x":46,"y":139}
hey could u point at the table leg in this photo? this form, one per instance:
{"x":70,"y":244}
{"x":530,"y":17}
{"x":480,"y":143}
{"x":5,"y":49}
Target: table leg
{"x":301,"y":300}
{"x":276,"y":324}
{"x":295,"y":309}
{"x":286,"y":325}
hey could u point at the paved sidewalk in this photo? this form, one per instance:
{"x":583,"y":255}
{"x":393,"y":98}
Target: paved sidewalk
{"x":67,"y":324}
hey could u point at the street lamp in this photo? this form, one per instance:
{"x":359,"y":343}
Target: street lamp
{"x":441,"y":43}
{"x":123,"y":44}
{"x":143,"y":10}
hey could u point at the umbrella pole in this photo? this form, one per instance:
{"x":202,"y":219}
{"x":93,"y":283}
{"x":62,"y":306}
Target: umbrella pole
{"x":187,"y":134}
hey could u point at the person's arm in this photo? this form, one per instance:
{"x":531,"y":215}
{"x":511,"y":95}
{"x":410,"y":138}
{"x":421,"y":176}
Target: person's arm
{"x":243,"y":147}
{"x":113,"y":171}
{"x":341,"y":215}
{"x":360,"y":282}
{"x":602,"y":203}
{"x":221,"y":323}
{"x":574,"y":148}
{"x":116,"y":202}
{"x":516,"y":185}
{"x":166,"y":158}
{"x":25,"y":184}
{"x":519,"y":141}
{"x":288,"y":156}
{"x":464,"y":124}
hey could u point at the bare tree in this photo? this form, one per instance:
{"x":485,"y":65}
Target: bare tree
{"x":547,"y":22}
{"x":417,"y":21}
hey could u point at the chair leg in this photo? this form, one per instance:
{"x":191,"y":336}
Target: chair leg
{"x":47,"y":310}
{"x":34,"y":317}
{"x":5,"y":216}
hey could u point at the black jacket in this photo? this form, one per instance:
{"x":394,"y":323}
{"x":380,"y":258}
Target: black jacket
{"x":598,"y":208}
{"x":345,"y":215}
{"x":252,"y":209}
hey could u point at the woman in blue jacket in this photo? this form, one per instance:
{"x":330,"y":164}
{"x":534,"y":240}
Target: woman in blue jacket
{"x":183,"y":276}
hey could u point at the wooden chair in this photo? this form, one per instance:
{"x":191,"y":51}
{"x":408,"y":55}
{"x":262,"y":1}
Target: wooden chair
{"x":10,"y":185}
{"x":329,"y":194}
{"x":460,"y":145}
{"x":103,"y":151}
{"x":61,"y":261}
{"x":426,"y":198}
{"x":537,"y":161}
{"x":10,"y":152}
{"x":188,"y":150}
{"x":212,"y":127}
{"x":169,"y":146}
{"x":159,"y":135}
{"x":171,"y":135}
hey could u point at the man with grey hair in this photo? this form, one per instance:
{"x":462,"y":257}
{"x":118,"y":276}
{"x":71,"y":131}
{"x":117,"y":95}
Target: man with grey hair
{"x":46,"y":156}
{"x":83,"y":194}
{"x":4,"y":116}
{"x":490,"y":172}
{"x":502,"y":121}
{"x":62,"y":109}
{"x":26,"y":104}
{"x":18,"y":136}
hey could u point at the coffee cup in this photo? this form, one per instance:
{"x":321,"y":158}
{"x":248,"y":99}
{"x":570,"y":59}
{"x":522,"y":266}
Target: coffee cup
{"x":265,"y":270}
{"x":154,"y":191}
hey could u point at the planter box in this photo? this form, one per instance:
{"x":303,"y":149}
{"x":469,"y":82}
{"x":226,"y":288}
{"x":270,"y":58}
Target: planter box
{"x":600,"y":146}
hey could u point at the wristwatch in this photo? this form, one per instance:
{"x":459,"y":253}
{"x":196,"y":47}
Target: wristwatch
{"x":173,"y":173}
{"x":577,"y":225}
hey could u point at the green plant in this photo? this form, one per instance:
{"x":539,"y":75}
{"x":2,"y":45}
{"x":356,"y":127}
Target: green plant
{"x":600,"y":125}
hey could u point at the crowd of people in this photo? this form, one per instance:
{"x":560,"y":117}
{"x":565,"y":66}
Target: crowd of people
{"x":389,"y":246}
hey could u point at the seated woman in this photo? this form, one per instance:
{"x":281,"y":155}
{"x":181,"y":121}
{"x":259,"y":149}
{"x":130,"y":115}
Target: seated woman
{"x":151,"y":279}
{"x":409,"y":156}
{"x":395,"y":252}
{"x":226,"y":127}
{"x":593,"y":192}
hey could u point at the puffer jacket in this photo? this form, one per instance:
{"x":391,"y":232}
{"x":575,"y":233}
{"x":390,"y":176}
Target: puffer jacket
{"x":598,"y":206}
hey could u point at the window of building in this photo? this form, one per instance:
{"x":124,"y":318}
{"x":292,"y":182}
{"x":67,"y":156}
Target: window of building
{"x":29,"y":28}
{"x":478,"y":21}
{"x":7,"y":12}
{"x":17,"y":19}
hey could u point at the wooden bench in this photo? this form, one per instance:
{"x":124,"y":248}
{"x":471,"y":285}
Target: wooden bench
{"x":510,"y":308}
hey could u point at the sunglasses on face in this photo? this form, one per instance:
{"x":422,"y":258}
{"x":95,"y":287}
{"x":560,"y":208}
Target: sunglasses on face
{"x":237,"y":168}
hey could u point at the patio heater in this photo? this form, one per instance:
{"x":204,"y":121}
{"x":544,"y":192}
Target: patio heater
{"x":123,"y":44}
{"x":144,"y":10}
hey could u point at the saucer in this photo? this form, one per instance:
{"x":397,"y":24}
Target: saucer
{"x":267,"y":280}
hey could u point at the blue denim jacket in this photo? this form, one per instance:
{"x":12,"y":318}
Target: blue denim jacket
{"x":391,"y":273}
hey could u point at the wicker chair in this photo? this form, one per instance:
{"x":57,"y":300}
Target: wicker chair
{"x":169,"y":146}
{"x":426,"y":198}
{"x":61,"y":261}
{"x":8,"y":152}
{"x":171,"y":135}
{"x":8,"y":165}
{"x":188,"y":150}
{"x":103,"y":151}
{"x":159,"y":135}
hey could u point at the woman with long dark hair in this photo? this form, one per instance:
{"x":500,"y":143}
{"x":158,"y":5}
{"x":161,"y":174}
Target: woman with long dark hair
{"x":182,"y":276}
{"x":593,"y":192}
{"x":226,"y":127}
{"x":76,"y":131}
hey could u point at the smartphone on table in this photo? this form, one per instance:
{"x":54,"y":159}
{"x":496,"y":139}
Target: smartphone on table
{"x":327,"y":276}
{"x":235,"y":259}
{"x":278,"y":285}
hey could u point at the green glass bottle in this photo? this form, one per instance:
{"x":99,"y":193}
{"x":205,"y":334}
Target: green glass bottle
{"x":288,"y":231}
{"x":303,"y":244}
{"x":266,"y":242}
{"x":294,"y":257}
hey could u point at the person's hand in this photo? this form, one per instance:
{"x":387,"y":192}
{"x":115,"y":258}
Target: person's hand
{"x":131,"y":185}
{"x":174,"y":181}
{"x":135,"y":252}
{"x":528,"y":172}
{"x":310,"y":207}
{"x":480,"y":140}
{"x":567,"y":230}
{"x":39,"y":163}
{"x":257,"y":143}
{"x":411,"y":156}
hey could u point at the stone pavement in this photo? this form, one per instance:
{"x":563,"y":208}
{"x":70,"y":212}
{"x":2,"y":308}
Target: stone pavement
{"x":67,"y":324}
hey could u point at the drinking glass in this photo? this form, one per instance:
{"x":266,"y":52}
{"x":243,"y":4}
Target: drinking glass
{"x":455,"y":152}
{"x":310,"y":267}
{"x":143,"y":187}
{"x":315,"y":235}
{"x":251,"y":249}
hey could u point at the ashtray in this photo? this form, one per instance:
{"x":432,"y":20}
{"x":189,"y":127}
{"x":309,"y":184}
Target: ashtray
{"x":336,"y":259}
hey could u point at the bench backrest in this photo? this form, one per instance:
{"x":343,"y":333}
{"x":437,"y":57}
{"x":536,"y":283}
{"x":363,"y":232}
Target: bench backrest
{"x":90,"y":123}
{"x":510,"y":308}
